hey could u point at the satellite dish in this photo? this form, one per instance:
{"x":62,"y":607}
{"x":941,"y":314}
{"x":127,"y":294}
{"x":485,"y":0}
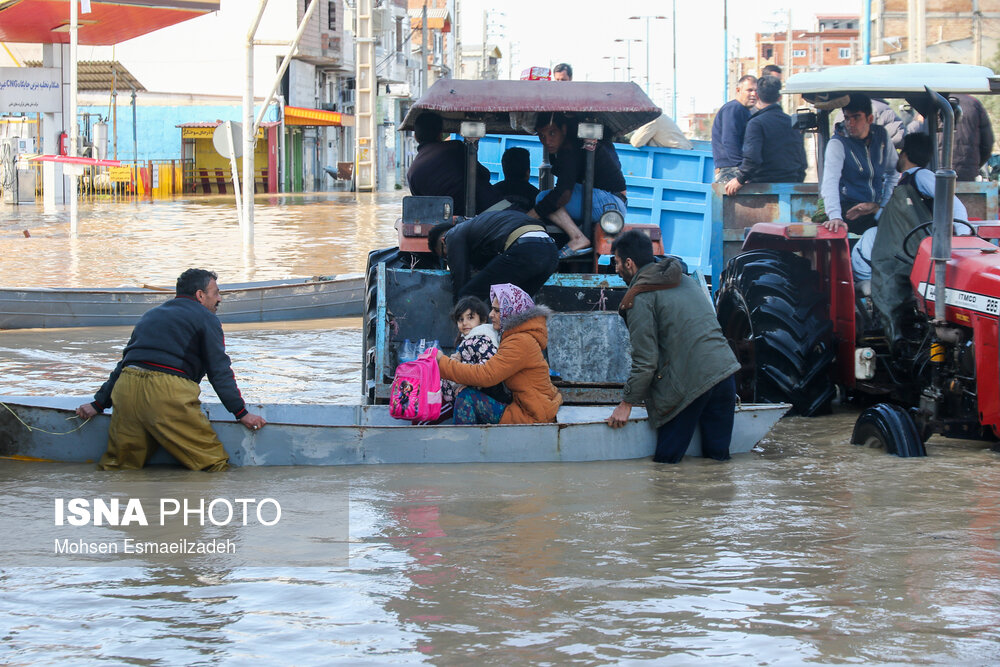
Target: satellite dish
{"x":222,"y":142}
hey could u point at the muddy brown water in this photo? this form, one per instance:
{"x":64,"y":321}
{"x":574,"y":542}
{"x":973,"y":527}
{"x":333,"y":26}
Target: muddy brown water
{"x":808,"y":550}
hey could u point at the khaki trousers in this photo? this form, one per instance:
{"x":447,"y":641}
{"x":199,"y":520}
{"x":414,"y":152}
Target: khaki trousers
{"x":152,"y":408}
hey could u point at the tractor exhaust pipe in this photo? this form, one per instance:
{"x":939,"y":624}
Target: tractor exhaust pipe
{"x":944,"y":196}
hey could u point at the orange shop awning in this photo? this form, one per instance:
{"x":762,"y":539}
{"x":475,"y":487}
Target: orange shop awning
{"x":302,"y":116}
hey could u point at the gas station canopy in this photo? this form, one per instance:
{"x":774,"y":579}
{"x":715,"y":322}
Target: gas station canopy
{"x":47,"y":21}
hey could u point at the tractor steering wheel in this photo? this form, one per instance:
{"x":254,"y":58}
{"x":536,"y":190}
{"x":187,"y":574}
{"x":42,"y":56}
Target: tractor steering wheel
{"x":924,"y":227}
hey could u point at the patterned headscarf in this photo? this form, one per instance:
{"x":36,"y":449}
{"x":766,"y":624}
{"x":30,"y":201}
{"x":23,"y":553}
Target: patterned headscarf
{"x":512,"y":299}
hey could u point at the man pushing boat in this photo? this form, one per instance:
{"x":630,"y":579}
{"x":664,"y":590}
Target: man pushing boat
{"x":155,"y":391}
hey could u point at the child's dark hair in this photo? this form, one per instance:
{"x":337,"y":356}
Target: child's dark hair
{"x":473,"y":303}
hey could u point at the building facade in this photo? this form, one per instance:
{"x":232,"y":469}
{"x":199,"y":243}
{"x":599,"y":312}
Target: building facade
{"x":965,"y":31}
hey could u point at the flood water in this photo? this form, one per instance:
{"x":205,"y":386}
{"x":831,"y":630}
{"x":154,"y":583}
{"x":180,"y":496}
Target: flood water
{"x":809,"y":550}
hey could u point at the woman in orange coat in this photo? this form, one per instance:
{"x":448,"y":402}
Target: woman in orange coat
{"x":519,"y":363}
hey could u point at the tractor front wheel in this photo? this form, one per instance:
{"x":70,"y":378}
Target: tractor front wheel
{"x":888,"y":427}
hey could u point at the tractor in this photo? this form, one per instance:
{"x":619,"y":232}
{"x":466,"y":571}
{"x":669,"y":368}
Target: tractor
{"x":805,"y":333}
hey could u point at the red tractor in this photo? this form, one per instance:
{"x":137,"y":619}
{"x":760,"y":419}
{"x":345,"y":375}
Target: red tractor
{"x":804,"y":331}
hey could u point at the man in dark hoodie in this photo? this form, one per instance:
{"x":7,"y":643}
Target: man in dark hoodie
{"x":682,"y":366}
{"x":154,"y":388}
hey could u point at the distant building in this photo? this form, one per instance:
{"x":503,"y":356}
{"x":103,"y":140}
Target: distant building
{"x":961,"y":30}
{"x":700,"y":126}
{"x":476,"y":66}
{"x":832,"y":42}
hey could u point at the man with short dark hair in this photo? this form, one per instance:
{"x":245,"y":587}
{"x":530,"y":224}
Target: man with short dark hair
{"x":516,"y":186}
{"x":562,"y":72}
{"x":154,"y":388}
{"x":771,"y":70}
{"x":439,"y":167}
{"x":682,"y":366}
{"x":502,"y":246}
{"x":729,"y":128}
{"x":859,"y":170}
{"x":772,"y":149}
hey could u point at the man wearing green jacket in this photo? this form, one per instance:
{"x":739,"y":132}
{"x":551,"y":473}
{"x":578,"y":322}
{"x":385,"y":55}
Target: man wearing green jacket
{"x":682,"y":366}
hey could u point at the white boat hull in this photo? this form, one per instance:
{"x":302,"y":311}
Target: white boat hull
{"x":352,"y":435}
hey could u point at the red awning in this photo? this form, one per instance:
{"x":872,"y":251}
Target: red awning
{"x":47,"y":21}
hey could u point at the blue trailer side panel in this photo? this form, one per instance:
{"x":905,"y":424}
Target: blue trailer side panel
{"x":666,"y":186}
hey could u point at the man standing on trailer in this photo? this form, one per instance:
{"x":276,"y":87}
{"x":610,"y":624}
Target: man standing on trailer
{"x":729,"y":127}
{"x":682,"y":366}
{"x":562,"y":72}
{"x":772,"y":150}
{"x":154,"y":388}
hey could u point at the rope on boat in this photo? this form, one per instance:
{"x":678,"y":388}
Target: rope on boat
{"x":42,"y":430}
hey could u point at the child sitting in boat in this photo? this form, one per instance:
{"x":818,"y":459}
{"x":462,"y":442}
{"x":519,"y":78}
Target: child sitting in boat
{"x":477,"y":341}
{"x":519,"y":362}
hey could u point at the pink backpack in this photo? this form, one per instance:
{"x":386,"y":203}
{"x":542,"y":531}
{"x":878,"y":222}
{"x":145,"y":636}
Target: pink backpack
{"x":416,"y":390}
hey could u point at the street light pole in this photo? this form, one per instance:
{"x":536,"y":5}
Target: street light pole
{"x":647,"y":17}
{"x":628,"y":51}
{"x":673,"y":60}
{"x":614,"y":65}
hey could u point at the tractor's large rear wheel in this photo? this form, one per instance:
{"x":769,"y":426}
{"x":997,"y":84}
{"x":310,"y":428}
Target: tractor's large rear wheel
{"x":773,"y":314}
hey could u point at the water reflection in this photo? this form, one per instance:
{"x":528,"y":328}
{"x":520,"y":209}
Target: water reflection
{"x":810,"y":550}
{"x":153,"y":241}
{"x":311,"y":361}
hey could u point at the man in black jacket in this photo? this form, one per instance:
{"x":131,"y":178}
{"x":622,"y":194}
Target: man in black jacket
{"x":154,"y":388}
{"x":439,"y":168}
{"x":503,"y":246}
{"x":772,"y":148}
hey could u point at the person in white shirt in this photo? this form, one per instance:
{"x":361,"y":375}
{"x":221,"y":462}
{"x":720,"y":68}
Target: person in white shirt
{"x":859,"y":169}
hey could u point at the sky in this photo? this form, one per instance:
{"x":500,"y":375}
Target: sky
{"x":206,"y":55}
{"x":583,"y":34}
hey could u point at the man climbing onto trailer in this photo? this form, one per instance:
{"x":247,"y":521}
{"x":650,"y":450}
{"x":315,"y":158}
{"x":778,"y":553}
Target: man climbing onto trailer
{"x":501,"y":247}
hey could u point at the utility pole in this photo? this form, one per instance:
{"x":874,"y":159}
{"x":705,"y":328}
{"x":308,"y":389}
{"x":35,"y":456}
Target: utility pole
{"x":648,"y":18}
{"x":673,"y":59}
{"x":866,"y":32}
{"x":788,"y":47}
{"x":423,"y":49}
{"x":725,"y":50}
{"x":482,"y":71}
{"x":628,"y":51}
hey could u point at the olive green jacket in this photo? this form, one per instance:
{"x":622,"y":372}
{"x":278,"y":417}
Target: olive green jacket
{"x":678,"y":350}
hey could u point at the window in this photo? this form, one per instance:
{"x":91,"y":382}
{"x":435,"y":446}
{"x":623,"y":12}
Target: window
{"x":798,"y":53}
{"x":331,"y":15}
{"x":845,"y":53}
{"x":766,"y":52}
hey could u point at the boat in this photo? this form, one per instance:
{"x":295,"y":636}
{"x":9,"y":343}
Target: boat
{"x":39,"y":428}
{"x":262,"y":301}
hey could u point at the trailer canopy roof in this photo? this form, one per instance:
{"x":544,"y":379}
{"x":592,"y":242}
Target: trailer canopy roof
{"x":508,"y":107}
{"x":894,"y":80}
